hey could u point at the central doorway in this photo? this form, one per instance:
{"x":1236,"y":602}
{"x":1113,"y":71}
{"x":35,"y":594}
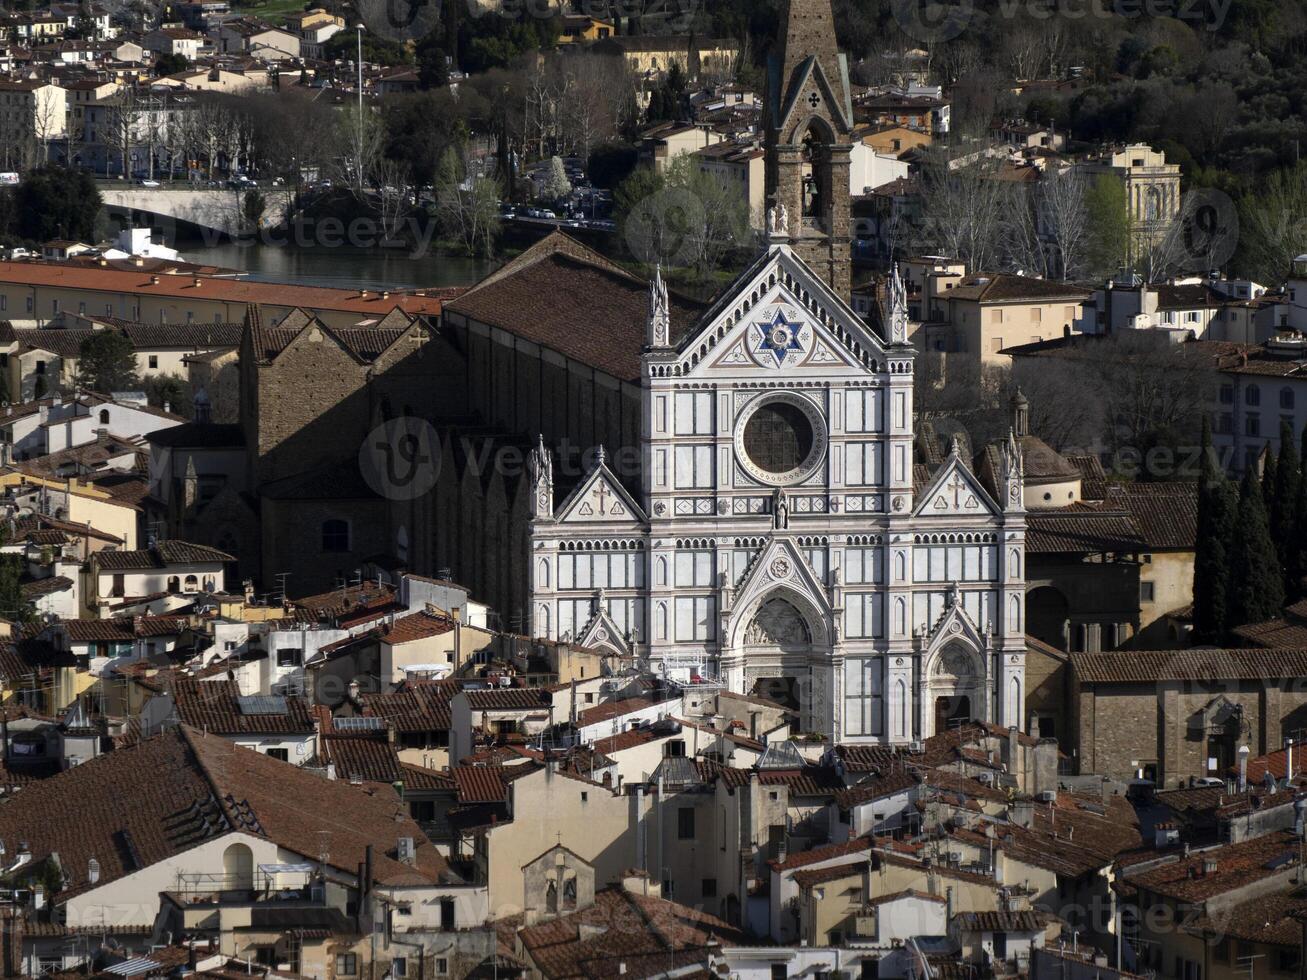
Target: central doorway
{"x":952,"y":711}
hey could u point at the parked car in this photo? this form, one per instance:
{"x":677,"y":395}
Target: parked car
{"x":146,"y":182}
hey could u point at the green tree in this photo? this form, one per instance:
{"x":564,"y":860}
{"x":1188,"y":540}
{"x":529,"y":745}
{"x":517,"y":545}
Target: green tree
{"x":55,"y":202}
{"x":1288,"y":482}
{"x":1216,"y":513}
{"x":1268,"y":478}
{"x":433,"y":65}
{"x":253,"y":204}
{"x":1256,"y":581}
{"x":170,"y":391}
{"x":1298,"y":550}
{"x":170,"y":64}
{"x":556,"y":185}
{"x":107,"y":362}
{"x":1109,"y":219}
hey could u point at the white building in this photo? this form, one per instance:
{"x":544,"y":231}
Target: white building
{"x":779,"y":539}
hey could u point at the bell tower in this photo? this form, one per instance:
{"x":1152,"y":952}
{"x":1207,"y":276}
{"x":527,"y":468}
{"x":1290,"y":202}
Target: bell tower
{"x":809,"y":139}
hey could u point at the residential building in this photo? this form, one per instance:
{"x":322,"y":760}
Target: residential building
{"x":1151,"y":186}
{"x":739,"y":170}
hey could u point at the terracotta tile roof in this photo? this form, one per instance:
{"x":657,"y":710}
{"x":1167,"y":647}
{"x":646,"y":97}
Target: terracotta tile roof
{"x":866,"y":758}
{"x":1237,"y":866}
{"x":99,"y":630}
{"x":420,"y":777}
{"x":31,"y":524}
{"x":875,"y":789}
{"x":623,"y":933}
{"x":1276,"y":763}
{"x":419,"y":626}
{"x":480,"y":784}
{"x":1150,"y":666}
{"x":236,"y":292}
{"x":193,"y":336}
{"x":159,"y":556}
{"x":907,"y":893}
{"x":1082,"y":528}
{"x":509,"y":699}
{"x":217,"y":706}
{"x":350,"y":600}
{"x":1276,"y":920}
{"x":825,"y":853}
{"x":118,"y":810}
{"x":627,"y":740}
{"x":1006,"y":288}
{"x":603,"y":322}
{"x":809,"y":781}
{"x":1028,"y":921}
{"x":1165,"y":513}
{"x":612,"y":709}
{"x":822,"y":876}
{"x":36,"y":588}
{"x":415,"y":708}
{"x":368,"y":757}
{"x":1071,"y":837}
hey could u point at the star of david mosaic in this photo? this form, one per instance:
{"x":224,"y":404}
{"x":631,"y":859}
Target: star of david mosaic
{"x":779,"y":336}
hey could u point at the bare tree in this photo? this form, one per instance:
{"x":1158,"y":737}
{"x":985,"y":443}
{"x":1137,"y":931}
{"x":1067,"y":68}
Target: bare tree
{"x":1064,"y":220}
{"x":121,"y":132}
{"x":963,"y":208}
{"x":1023,"y":50}
{"x":468,"y":207}
{"x":391,"y":194}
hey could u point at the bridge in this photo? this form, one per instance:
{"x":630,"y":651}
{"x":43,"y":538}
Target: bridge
{"x":208,"y":209}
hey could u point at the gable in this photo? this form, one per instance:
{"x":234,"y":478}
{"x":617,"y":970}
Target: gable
{"x":780,"y":319}
{"x":830,"y":105}
{"x":955,"y":492}
{"x":600,"y":499}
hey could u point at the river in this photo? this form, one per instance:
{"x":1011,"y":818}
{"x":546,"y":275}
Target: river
{"x":348,"y":268}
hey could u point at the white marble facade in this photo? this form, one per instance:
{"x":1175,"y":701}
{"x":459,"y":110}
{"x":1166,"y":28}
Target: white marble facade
{"x":778,"y":543}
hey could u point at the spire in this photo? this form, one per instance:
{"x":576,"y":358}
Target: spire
{"x":659,"y":329}
{"x":809,"y":126}
{"x":810,"y":32}
{"x":1020,"y":415}
{"x":898,"y":308}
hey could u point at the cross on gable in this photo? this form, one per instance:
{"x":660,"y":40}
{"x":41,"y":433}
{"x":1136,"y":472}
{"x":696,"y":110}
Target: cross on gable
{"x":814,"y":100}
{"x":603,"y":493}
{"x":957,"y":486}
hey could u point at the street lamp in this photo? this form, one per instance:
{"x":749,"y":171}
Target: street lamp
{"x":359,"y":27}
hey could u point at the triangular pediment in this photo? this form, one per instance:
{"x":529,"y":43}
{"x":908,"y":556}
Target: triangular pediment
{"x":780,"y":571}
{"x":779,"y":319}
{"x":809,"y":78}
{"x":601,"y":499}
{"x":955,"y":492}
{"x":601,"y":631}
{"x":954,"y":624}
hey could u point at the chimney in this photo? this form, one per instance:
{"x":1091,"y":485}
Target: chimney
{"x":1022,"y":813}
{"x":154,"y":280}
{"x":1244,"y":752}
{"x":196,"y":282}
{"x":1210,"y":866}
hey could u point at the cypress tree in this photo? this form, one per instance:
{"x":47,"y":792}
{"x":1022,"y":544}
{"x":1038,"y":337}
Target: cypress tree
{"x":1268,"y":478}
{"x":1256,"y":585}
{"x":1212,"y":554}
{"x":1288,"y":479}
{"x":1298,"y":533}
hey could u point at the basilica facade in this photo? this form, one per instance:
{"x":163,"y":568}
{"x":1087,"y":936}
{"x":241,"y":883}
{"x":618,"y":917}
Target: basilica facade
{"x":783,"y":541}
